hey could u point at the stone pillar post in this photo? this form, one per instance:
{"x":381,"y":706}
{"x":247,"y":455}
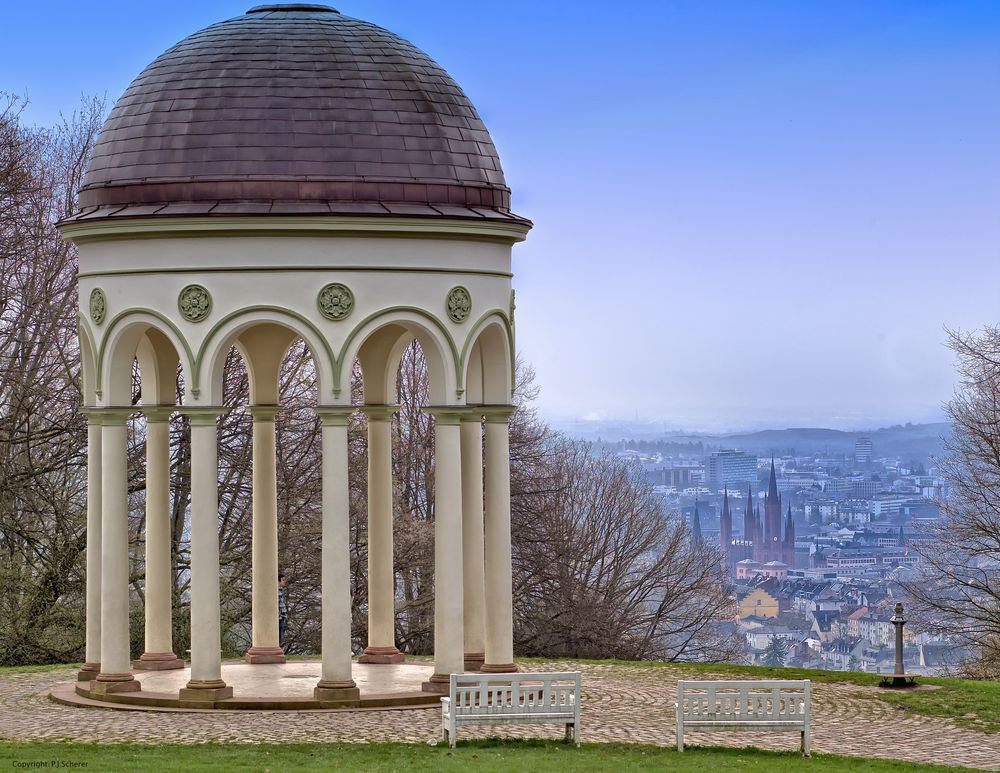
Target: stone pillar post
{"x":265,"y":647}
{"x":116,"y":667}
{"x":449,"y":634}
{"x":381,"y":572}
{"x":92,"y":667}
{"x":473,"y":559}
{"x":206,"y":684}
{"x":336,"y":687}
{"x":499,"y":606}
{"x":159,"y":652}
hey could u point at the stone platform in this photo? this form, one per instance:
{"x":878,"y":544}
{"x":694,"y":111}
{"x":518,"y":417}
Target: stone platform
{"x":265,"y":687}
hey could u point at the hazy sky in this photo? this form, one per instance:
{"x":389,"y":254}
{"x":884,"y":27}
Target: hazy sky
{"x":746,"y":213}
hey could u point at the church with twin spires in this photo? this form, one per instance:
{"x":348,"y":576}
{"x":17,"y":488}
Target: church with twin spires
{"x":763,"y":541}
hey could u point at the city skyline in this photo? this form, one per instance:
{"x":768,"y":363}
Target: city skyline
{"x":744,"y":217}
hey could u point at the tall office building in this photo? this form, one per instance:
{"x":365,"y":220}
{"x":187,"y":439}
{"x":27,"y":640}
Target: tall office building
{"x":863,"y":450}
{"x":730,"y":468}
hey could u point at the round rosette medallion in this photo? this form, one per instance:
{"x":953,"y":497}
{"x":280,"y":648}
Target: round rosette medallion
{"x":335,"y":301}
{"x":194,"y":303}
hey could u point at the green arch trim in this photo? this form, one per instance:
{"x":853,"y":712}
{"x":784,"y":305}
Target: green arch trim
{"x":272,"y":309}
{"x":474,"y":334}
{"x":83,"y":329}
{"x":99,"y":379}
{"x":338,"y":366}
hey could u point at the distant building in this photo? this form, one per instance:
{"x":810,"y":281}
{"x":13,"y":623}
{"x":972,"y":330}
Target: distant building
{"x":729,"y":468}
{"x":759,"y":603}
{"x":863,"y":450}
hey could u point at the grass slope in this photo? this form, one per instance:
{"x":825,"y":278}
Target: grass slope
{"x":490,"y":755}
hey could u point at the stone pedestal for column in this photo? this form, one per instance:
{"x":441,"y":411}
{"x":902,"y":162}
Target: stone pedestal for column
{"x":265,"y":647}
{"x":449,"y":633}
{"x":92,"y":667}
{"x":116,"y":674}
{"x":499,"y":585}
{"x":336,"y":687}
{"x":206,"y":684}
{"x":473,"y":559}
{"x":381,"y":647}
{"x":159,"y":652}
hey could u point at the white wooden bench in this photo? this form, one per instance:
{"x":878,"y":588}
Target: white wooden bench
{"x":742,"y":705}
{"x":495,"y":699}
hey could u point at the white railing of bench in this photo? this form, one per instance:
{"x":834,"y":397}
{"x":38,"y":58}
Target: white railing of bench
{"x":522,"y":698}
{"x":744,"y":705}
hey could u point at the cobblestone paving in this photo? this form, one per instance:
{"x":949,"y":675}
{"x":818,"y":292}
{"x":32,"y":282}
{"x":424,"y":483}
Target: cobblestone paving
{"x":621,"y":703}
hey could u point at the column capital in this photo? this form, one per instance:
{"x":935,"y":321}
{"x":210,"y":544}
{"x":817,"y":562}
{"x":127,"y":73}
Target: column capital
{"x":335,"y":415}
{"x":203,"y":415}
{"x":450,"y":414}
{"x":497,"y":414}
{"x":378,"y":412}
{"x":110,"y":416}
{"x":158,"y":412}
{"x":264,"y":412}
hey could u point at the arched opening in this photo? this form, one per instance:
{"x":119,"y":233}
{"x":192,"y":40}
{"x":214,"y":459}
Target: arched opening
{"x":140,"y":368}
{"x":269,"y":381}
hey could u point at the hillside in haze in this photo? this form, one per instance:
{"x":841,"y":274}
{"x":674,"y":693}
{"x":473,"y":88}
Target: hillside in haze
{"x":909,"y":441}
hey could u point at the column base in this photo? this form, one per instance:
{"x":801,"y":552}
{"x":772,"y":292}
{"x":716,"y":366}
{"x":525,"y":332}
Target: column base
{"x":106,"y":684}
{"x":200,"y":692}
{"x":88,"y":672}
{"x":381,"y":656}
{"x":438,"y":684}
{"x":474,"y":661}
{"x":499,"y":668}
{"x":257,"y":655}
{"x":157,"y":661}
{"x":333,"y":694}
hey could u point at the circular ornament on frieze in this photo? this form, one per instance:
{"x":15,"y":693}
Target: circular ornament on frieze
{"x":194,"y":303}
{"x":459,"y":304}
{"x":98,"y":305}
{"x":335,"y":301}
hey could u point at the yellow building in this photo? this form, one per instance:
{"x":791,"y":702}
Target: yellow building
{"x":758,"y":603}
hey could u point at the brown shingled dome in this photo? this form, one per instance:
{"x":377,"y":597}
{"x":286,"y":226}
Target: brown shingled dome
{"x":294,"y":109}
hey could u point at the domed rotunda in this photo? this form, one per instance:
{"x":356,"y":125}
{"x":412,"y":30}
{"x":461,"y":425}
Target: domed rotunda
{"x":294,"y":174}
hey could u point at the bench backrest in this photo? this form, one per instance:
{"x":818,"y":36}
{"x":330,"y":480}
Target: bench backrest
{"x":743,"y":701}
{"x":521,"y":693}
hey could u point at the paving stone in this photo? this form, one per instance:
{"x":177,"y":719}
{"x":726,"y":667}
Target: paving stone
{"x":625,"y":703}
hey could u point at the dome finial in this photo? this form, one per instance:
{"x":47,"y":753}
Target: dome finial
{"x":307,"y":7}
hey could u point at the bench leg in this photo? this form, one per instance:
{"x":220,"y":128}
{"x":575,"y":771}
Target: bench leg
{"x":570,"y":733}
{"x":805,"y":743}
{"x":680,"y":735}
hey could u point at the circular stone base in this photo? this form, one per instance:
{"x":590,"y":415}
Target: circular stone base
{"x":264,"y":687}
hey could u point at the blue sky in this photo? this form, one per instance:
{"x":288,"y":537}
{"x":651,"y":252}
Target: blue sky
{"x":747,"y":213}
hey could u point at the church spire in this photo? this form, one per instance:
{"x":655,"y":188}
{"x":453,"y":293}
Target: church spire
{"x":772,"y":484}
{"x":725,"y":528}
{"x":696,"y":525}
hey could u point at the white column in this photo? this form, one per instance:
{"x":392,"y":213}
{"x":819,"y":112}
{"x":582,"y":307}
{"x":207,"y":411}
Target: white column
{"x":499,"y":606}
{"x":116,"y":667}
{"x":159,"y":651}
{"x":473,"y":562}
{"x":264,"y":552}
{"x":206,"y":684}
{"x":448,"y":596}
{"x":381,"y":572}
{"x":93,"y":651}
{"x":336,"y":687}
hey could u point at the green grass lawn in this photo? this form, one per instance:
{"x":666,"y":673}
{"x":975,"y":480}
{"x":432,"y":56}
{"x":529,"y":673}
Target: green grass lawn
{"x":492,"y":755}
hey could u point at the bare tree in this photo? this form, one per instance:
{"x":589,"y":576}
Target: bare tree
{"x":957,"y":591}
{"x":604,"y":572}
{"x":42,"y":436}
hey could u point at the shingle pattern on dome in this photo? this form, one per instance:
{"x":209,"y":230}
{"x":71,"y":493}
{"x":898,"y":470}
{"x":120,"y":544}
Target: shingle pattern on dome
{"x":289,"y":111}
